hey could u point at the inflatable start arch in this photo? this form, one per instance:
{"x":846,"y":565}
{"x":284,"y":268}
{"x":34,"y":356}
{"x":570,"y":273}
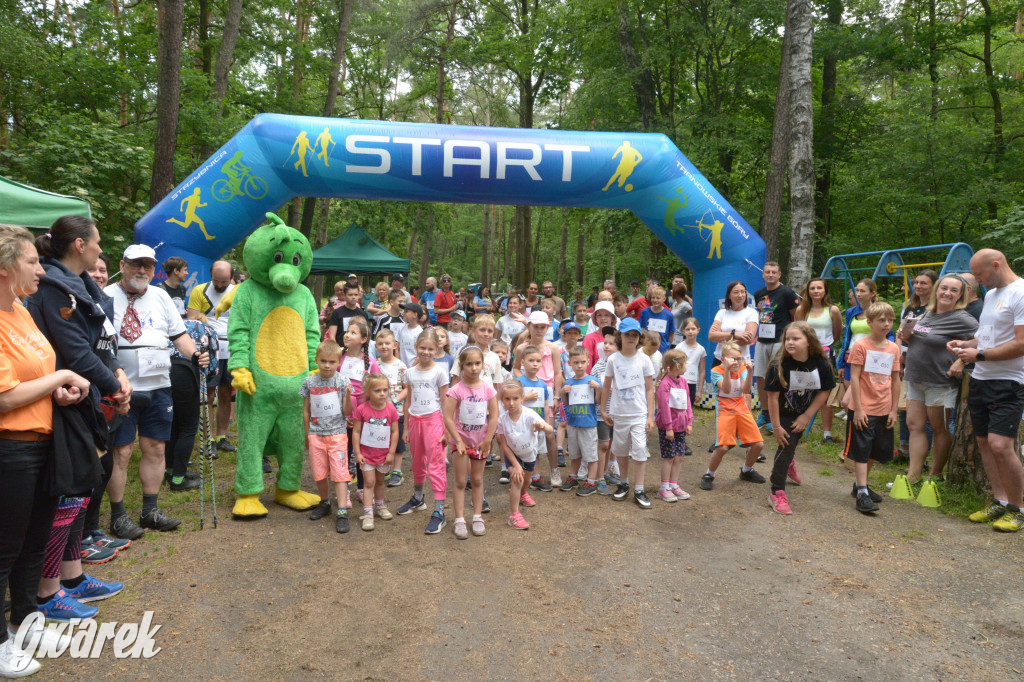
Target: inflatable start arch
{"x":275,"y":158}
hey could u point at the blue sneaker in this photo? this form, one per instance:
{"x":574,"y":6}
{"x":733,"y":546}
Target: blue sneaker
{"x":602,"y":487}
{"x":612,"y":479}
{"x":769,"y":428}
{"x":98,"y":537}
{"x":93,"y":589}
{"x":436,"y":523}
{"x":412,"y":505}
{"x":62,"y":608}
{"x":763,"y":420}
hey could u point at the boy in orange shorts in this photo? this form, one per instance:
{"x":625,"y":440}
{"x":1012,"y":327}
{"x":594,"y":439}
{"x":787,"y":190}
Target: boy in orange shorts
{"x":732,"y":380}
{"x":327,"y":402}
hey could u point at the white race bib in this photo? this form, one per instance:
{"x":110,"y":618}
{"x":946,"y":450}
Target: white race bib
{"x":352,"y":369}
{"x":536,"y":402}
{"x":344,"y":324}
{"x":472,"y":413}
{"x":375,"y":436}
{"x":766,"y":331}
{"x":805,"y":381}
{"x":878,"y":362}
{"x":325,"y":405}
{"x":523,"y":445}
{"x":581,"y":394}
{"x":984,"y":335}
{"x":657,"y":325}
{"x":179,"y":305}
{"x":628,"y":377}
{"x":678,"y":398}
{"x":424,"y":397}
{"x":154,"y":362}
{"x":430,"y":305}
{"x":223,"y":352}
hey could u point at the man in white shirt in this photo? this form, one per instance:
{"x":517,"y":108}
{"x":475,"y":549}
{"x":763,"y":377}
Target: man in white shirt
{"x":147,"y":323}
{"x":201,"y":305}
{"x":996,"y":397}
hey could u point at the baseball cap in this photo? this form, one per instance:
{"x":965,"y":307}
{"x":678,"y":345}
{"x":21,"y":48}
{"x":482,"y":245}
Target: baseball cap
{"x":629,"y":325}
{"x":635,"y":283}
{"x":459,"y":313}
{"x":399,"y":276}
{"x":571,"y":326}
{"x":138,"y":251}
{"x":539,"y":317}
{"x":415,"y":307}
{"x":605,"y":306}
{"x":352,"y":274}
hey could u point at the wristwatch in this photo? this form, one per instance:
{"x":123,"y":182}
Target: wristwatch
{"x":981,"y":356}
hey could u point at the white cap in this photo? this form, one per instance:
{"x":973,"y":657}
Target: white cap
{"x":608,"y":308}
{"x":539,"y":317}
{"x":137,"y":251}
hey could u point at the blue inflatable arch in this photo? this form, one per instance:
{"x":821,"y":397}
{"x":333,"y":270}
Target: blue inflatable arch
{"x":275,"y":158}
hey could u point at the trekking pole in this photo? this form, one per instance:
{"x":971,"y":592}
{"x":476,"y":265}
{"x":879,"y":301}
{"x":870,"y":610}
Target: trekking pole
{"x":204,"y":422}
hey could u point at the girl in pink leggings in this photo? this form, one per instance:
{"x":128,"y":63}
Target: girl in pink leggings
{"x":427,"y":383}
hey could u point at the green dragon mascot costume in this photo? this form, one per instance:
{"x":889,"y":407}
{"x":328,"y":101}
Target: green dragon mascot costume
{"x":273,"y":335}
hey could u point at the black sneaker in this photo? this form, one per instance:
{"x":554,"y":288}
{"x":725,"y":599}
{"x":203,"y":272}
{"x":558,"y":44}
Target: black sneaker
{"x":762,"y":458}
{"x":210,"y":451}
{"x":707,"y":482}
{"x":225,"y":445}
{"x":829,"y":439}
{"x":157,"y":520}
{"x":98,"y":537}
{"x":570,"y":483}
{"x":865,"y":504}
{"x":621,"y":492}
{"x":126,"y":529}
{"x":687,"y":452}
{"x":97,"y":554}
{"x":561,"y":458}
{"x":341,"y":523}
{"x":641,"y":499}
{"x":321,"y":510}
{"x":751,"y":476}
{"x":266,"y":465}
{"x":485,"y":508}
{"x":504,"y":477}
{"x":587,"y":488}
{"x":541,"y":484}
{"x":490,"y":462}
{"x":875,"y":497}
{"x":193,"y":475}
{"x":187,"y":484}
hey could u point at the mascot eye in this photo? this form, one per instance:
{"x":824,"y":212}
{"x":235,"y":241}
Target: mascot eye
{"x":279,"y":256}
{"x":296,"y":259}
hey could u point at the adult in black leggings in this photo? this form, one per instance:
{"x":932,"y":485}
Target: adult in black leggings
{"x":185,"y":394}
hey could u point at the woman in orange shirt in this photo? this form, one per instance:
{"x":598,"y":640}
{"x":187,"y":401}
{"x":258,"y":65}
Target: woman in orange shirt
{"x":28,"y":383}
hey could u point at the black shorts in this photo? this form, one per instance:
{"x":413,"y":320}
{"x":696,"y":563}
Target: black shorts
{"x":527,"y":466}
{"x":996,"y":406}
{"x":873,"y":442}
{"x":400,"y":448}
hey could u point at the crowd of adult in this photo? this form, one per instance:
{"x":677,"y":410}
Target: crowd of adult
{"x":90,"y":369}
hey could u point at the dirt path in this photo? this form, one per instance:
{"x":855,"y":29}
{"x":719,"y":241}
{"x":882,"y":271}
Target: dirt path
{"x":717,"y":587}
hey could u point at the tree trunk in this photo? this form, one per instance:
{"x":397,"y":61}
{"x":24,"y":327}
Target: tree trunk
{"x":507,"y":231}
{"x":115,"y":6}
{"x":536,"y":240}
{"x":226,"y":54}
{"x":205,"y":49}
{"x":827,"y":149}
{"x":643,"y":80}
{"x":442,"y":57}
{"x":563,"y":253}
{"x":485,"y":245}
{"x":170,"y":20}
{"x":775,"y":181}
{"x":428,"y":239}
{"x":992,"y":85}
{"x":493,"y":254}
{"x":580,"y":236}
{"x":801,"y":143}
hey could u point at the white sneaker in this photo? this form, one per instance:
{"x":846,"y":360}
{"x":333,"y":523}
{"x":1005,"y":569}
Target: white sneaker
{"x":556,"y":478}
{"x":40,"y":639}
{"x":14,"y":662}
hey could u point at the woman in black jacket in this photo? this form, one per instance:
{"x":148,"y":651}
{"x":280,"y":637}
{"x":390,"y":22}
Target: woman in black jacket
{"x":74,"y":315}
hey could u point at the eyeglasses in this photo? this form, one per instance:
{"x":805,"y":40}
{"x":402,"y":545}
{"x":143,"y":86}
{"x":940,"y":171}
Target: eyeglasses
{"x":446,"y":279}
{"x":141,"y":264}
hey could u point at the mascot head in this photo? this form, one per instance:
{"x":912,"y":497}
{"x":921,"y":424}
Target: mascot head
{"x":277,"y":255}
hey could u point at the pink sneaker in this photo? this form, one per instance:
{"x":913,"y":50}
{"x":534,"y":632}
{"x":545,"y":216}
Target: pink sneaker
{"x":526,"y":500}
{"x":779,"y":502}
{"x":793,"y":475}
{"x":680,"y":493}
{"x":518,"y":522}
{"x":666,"y":495}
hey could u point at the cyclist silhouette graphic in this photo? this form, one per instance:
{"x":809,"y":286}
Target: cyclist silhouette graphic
{"x":239,"y":181}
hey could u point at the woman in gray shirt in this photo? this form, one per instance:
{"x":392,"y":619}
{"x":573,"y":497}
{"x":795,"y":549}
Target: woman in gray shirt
{"x":930,"y":389}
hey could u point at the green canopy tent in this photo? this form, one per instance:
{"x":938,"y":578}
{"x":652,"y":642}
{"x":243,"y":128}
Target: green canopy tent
{"x":354,"y":251}
{"x":31,"y":207}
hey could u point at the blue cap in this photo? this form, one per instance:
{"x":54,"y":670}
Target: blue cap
{"x":569,"y":326}
{"x":629,"y":325}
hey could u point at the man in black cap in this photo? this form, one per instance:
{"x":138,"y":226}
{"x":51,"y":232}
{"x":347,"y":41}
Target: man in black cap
{"x":398,"y":284}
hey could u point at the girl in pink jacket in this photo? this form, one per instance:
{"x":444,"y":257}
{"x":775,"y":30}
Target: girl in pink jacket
{"x":674,"y":420}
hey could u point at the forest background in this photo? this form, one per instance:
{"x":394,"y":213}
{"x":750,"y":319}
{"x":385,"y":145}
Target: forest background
{"x":918,"y":136}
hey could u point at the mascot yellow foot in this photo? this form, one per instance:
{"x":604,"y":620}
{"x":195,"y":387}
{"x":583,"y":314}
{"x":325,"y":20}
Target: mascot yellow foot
{"x":296,"y":499}
{"x":248,"y":507}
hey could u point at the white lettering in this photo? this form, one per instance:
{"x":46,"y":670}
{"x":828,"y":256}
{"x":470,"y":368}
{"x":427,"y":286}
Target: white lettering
{"x":530,"y":165}
{"x":417,"y":150}
{"x":145,"y":643}
{"x":124,"y":639}
{"x":106,"y":633}
{"x":385,"y":156}
{"x":567,"y":150}
{"x":450,"y":160}
{"x":81,"y":642}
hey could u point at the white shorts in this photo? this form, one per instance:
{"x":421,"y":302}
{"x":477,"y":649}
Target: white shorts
{"x":630,"y":438}
{"x":763,"y":354}
{"x":581,"y":443}
{"x":933,"y":396}
{"x":382,"y":468}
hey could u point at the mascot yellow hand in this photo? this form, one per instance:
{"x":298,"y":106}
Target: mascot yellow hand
{"x":243,"y":380}
{"x":225,"y":303}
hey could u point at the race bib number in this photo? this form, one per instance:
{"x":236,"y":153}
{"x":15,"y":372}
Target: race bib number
{"x":536,"y":402}
{"x":223,"y":352}
{"x":472,"y":414}
{"x":179,"y":305}
{"x":154,"y":362}
{"x":424,"y":397}
{"x":581,"y":394}
{"x":678,"y":398}
{"x":376,"y":436}
{"x":657,"y":325}
{"x":985,"y":335}
{"x":353,"y":369}
{"x":430,"y":306}
{"x":878,"y":362}
{"x":344,"y":324}
{"x":628,"y":377}
{"x":522,"y":444}
{"x":805,"y":381}
{"x":766,"y":330}
{"x":325,"y":405}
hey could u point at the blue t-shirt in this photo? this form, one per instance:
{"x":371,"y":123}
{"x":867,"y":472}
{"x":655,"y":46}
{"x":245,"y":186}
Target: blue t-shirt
{"x":664,"y":323}
{"x":583,"y":415}
{"x":542,"y":390}
{"x":427,"y":301}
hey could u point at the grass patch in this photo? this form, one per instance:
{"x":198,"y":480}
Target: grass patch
{"x":827,"y":472}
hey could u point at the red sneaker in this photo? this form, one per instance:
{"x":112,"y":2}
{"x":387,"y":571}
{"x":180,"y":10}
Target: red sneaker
{"x":526,"y":500}
{"x":779,"y":502}
{"x":518,"y":522}
{"x":793,"y":475}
